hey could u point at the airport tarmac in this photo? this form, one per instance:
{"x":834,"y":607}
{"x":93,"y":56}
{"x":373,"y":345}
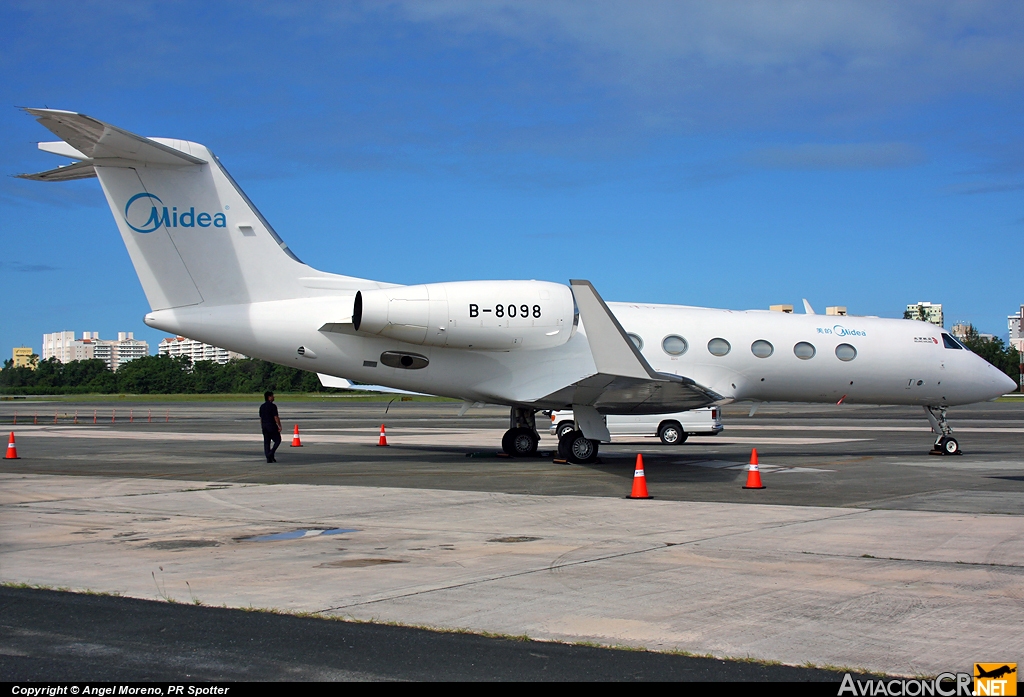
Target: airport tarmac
{"x":863,"y":551}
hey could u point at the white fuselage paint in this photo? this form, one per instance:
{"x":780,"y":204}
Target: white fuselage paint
{"x":213,"y":269}
{"x":897,"y":361}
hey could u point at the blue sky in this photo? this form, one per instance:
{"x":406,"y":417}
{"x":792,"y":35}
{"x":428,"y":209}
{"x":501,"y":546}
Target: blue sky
{"x":866,"y":154}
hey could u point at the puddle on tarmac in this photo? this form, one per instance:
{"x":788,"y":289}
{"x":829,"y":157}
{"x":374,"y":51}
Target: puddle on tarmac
{"x":356,"y":563}
{"x":510,"y":540}
{"x":181,"y":544}
{"x":296,"y":534}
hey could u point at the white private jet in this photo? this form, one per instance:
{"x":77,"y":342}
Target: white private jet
{"x":213,"y":269}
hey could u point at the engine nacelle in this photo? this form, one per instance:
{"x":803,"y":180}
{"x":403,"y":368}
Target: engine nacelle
{"x":481,"y":315}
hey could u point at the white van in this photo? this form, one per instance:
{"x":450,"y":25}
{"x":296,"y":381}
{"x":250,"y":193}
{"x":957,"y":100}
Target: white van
{"x":671,"y":428}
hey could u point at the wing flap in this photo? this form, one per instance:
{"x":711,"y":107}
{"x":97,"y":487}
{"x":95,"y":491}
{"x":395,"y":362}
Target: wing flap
{"x":611,"y":394}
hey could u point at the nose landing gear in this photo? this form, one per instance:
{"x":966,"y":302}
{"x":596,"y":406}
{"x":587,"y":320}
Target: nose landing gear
{"x":945,"y":443}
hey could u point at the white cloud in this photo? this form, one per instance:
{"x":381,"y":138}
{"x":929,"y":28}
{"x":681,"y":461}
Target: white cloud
{"x":753,"y":62}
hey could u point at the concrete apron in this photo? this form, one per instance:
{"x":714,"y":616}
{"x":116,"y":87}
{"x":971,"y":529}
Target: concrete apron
{"x":904,"y":592}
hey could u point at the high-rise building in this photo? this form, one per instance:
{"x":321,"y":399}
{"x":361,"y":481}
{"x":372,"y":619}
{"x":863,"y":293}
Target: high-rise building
{"x":1015,"y":323}
{"x":21,"y":357}
{"x":65,"y":348}
{"x":127,"y":348}
{"x":196,"y":350}
{"x":929,"y":312}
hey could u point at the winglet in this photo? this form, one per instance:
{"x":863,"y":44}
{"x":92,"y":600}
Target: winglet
{"x":614,"y":353}
{"x":808,"y":310}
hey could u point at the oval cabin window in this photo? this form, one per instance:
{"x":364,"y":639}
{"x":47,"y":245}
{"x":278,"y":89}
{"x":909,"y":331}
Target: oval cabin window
{"x":762,"y":348}
{"x":804,"y":351}
{"x":719,"y":347}
{"x":674,"y":345}
{"x":845,"y":352}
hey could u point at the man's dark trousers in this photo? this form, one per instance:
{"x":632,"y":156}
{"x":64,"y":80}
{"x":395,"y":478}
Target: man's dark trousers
{"x":271,"y":434}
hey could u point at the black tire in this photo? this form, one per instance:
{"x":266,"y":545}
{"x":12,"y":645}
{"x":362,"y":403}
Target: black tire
{"x":949,"y":446}
{"x":519,"y":442}
{"x":577,"y":448}
{"x":671,"y":433}
{"x":563,"y":445}
{"x":564,"y":427}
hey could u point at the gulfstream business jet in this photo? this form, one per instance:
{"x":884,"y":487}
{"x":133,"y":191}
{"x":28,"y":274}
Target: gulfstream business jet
{"x":214,"y":269}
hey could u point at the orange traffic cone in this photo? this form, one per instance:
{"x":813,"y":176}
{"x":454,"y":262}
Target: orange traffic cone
{"x":296,"y":443}
{"x":383,"y":439}
{"x":12,"y":449}
{"x":753,"y":473}
{"x":639,"y":480}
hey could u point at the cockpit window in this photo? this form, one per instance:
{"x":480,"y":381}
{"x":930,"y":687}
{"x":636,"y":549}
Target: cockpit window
{"x":950,"y":343}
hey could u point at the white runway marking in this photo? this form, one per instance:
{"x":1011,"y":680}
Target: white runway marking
{"x":462,"y":437}
{"x":908,"y":429}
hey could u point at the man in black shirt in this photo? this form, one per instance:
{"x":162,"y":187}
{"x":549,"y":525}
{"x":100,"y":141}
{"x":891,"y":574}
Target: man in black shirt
{"x":271,"y":424}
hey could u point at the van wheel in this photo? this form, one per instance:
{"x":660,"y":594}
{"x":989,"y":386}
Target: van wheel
{"x":565,"y":427}
{"x":672,"y":434}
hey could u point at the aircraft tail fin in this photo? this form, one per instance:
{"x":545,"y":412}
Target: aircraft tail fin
{"x":193,"y":236}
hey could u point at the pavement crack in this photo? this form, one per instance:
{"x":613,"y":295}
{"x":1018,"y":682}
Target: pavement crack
{"x":939,"y":562}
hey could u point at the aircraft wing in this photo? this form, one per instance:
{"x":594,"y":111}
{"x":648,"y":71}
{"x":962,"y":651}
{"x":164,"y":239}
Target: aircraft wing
{"x":625,"y":382}
{"x":342,"y":383}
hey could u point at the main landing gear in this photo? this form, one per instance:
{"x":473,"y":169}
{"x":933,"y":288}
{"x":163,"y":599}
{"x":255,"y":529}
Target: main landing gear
{"x":521,"y":439}
{"x":945,"y":443}
{"x":576,"y":448}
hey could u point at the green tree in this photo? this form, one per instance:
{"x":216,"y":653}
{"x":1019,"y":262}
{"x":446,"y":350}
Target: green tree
{"x":91,"y":375}
{"x":156,"y":375}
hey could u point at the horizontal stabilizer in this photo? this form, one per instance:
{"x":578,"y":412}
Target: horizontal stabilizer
{"x":78,"y":170}
{"x":99,"y":141}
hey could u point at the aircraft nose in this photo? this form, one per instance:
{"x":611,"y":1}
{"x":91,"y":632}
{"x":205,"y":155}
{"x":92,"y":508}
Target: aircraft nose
{"x":1007,"y":384}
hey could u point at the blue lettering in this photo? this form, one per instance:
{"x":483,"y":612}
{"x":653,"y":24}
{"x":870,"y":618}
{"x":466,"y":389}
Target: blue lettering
{"x":168,"y":218}
{"x":155,"y":220}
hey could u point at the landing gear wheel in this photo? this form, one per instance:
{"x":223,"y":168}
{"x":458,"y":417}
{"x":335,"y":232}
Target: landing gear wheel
{"x":672,"y":434}
{"x":519,"y":442}
{"x":577,"y":448}
{"x":949,"y":446}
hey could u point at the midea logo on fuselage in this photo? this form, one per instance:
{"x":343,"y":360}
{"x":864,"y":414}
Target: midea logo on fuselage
{"x":168,"y":218}
{"x":840,"y":330}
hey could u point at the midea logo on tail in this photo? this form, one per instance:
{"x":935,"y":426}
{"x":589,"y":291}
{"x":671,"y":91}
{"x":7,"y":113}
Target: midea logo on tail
{"x":169,"y":218}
